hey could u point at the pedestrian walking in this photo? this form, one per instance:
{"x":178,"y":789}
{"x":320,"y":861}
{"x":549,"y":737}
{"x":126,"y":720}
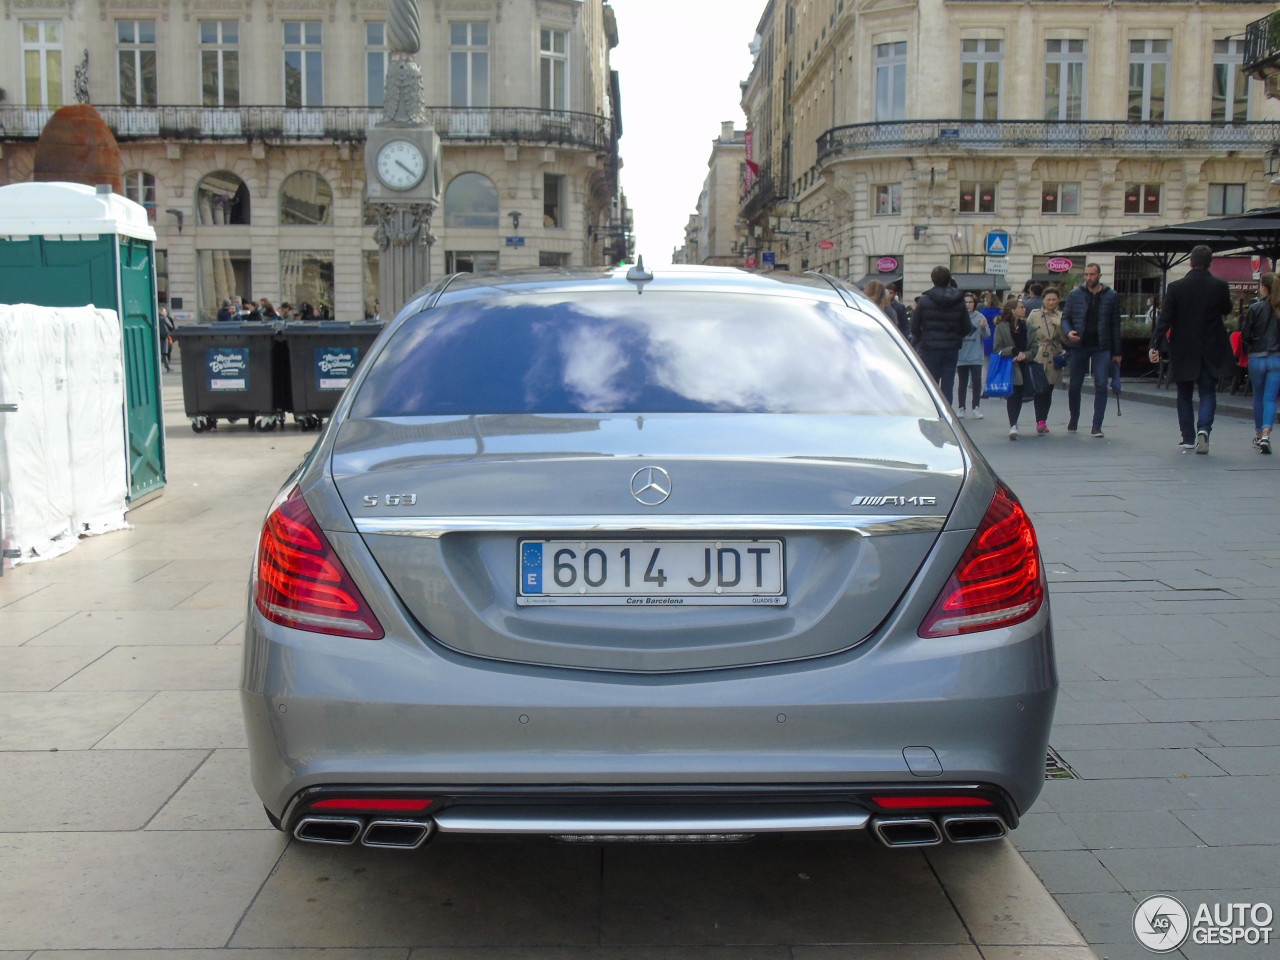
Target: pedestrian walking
{"x":875,"y":292}
{"x":1260,"y":335}
{"x":225,"y":312}
{"x":1018,"y":341}
{"x":166,"y":338}
{"x":901,"y":317}
{"x":969,"y":360}
{"x":1199,"y":347}
{"x":1047,"y":323}
{"x":941,"y":322}
{"x":1091,"y":322}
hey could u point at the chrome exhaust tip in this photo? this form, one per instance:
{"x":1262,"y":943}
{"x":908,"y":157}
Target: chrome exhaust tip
{"x":906,"y":831}
{"x":973,"y":827}
{"x":397,"y":834}
{"x":342,"y":831}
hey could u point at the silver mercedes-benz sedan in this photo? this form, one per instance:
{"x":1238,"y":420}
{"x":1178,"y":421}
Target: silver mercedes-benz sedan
{"x":689,"y":554}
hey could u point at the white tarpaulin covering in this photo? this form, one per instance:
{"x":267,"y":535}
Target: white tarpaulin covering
{"x":62,"y":453}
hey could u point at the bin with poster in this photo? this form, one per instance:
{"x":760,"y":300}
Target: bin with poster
{"x":232,"y":371}
{"x":322,"y":358}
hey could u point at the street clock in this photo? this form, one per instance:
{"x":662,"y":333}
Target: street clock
{"x":400,"y":165}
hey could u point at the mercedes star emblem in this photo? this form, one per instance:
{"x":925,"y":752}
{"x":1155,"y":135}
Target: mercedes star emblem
{"x":651,"y":485}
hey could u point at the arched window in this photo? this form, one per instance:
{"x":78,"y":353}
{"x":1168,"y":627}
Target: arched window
{"x":140,"y":187}
{"x":222,"y":198}
{"x":305,"y":199}
{"x":471,"y":200}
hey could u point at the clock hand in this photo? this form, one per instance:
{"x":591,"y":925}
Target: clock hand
{"x":404,"y":168}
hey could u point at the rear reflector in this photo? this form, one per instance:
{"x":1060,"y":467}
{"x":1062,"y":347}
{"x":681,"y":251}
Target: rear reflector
{"x":369,"y":803}
{"x":931,"y":803}
{"x":300,"y":582}
{"x":999,"y":580}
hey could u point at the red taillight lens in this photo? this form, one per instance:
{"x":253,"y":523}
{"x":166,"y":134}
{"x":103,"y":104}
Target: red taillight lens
{"x":1000,"y":579}
{"x":300,"y":582}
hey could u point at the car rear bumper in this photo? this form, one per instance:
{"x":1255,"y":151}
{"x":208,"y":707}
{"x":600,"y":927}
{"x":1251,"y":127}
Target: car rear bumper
{"x":329,"y":711}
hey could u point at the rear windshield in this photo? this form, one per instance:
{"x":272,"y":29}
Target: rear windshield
{"x":656,"y":353}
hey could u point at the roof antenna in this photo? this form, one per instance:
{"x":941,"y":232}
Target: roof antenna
{"x":638,"y":272}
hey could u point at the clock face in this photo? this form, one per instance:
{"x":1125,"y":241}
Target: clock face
{"x":400,"y":165}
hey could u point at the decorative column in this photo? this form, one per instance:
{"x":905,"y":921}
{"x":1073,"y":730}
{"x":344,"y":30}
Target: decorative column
{"x":402,"y":167}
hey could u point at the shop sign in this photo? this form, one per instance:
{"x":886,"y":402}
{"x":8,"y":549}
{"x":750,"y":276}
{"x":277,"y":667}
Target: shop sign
{"x":886,"y":265}
{"x":1058,"y":265}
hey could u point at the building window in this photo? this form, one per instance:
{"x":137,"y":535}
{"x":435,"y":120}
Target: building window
{"x":222,"y":198}
{"x":548,"y":258}
{"x":221,"y":275}
{"x":891,"y":81}
{"x":372,"y":308}
{"x":140,"y":187}
{"x":42,"y":63}
{"x":162,"y":277}
{"x":980,"y":62}
{"x":1142,"y":198}
{"x":305,"y":200}
{"x":471,"y":200}
{"x":1226,"y":199}
{"x":1060,"y":198}
{"x":136,"y":62}
{"x":306,"y":279}
{"x":888,"y":198}
{"x":977,"y":196}
{"x":220,"y":63}
{"x":375,"y":61}
{"x":1230,"y":83}
{"x":468,"y":64}
{"x":552,"y":200}
{"x":471,"y":261}
{"x":1064,"y":63}
{"x":303,"y":64}
{"x":1148,"y":79}
{"x":553,"y":69}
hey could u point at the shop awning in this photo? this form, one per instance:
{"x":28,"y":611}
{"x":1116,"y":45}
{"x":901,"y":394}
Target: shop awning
{"x":981,"y":281}
{"x":888,"y":279}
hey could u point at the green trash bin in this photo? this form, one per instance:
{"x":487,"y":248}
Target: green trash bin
{"x":230,"y":371}
{"x":323,"y":357}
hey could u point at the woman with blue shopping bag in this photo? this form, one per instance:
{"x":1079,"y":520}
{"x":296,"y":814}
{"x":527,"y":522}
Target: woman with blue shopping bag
{"x":1018,"y":343}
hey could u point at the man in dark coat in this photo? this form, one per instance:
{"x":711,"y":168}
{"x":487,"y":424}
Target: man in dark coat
{"x":1199,"y":347}
{"x":1091,"y":321}
{"x":938,"y":326}
{"x":224,"y":312}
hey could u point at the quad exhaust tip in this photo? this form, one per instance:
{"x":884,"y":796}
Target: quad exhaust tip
{"x":344,"y":831}
{"x":397,"y":834}
{"x":927,"y":832}
{"x":973,"y":827}
{"x":907,"y":831}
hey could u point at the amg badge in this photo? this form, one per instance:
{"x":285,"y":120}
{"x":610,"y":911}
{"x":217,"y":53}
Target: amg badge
{"x":894,"y":501}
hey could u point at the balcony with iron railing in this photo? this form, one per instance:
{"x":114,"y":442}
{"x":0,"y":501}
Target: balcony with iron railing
{"x":332,"y":124}
{"x":762,"y":195}
{"x":1089,"y":136}
{"x":1262,"y":47}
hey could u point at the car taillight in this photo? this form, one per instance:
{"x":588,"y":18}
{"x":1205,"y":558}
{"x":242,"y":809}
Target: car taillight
{"x":1000,"y":579}
{"x":300,"y":582}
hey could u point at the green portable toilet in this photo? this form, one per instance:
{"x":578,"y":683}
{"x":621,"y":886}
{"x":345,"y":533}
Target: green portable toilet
{"x":70,"y":245}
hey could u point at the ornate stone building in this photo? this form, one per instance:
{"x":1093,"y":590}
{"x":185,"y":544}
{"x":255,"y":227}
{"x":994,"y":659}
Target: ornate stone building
{"x":242,"y":126}
{"x":899,"y":134}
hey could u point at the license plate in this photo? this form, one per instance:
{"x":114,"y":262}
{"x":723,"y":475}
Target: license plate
{"x":652,"y":573}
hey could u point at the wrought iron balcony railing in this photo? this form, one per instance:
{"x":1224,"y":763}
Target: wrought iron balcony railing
{"x":271,"y":124}
{"x":1262,"y":44}
{"x":1089,"y":135}
{"x":764,"y":192}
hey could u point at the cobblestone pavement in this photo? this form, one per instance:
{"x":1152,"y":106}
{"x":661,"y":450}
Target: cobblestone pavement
{"x":1165,"y":577}
{"x":129,"y":827}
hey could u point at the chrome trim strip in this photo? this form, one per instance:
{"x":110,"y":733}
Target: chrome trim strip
{"x":861,"y":524}
{"x":715,"y":818}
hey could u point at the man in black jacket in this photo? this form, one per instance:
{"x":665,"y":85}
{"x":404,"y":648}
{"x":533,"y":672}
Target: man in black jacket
{"x":938,"y":326}
{"x":1199,"y":347}
{"x":1091,"y":321}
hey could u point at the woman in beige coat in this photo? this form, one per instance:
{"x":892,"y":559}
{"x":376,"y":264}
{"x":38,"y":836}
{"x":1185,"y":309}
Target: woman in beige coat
{"x":1047,"y":322}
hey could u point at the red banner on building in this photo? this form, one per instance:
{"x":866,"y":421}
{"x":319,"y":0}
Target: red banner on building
{"x":753,"y":168}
